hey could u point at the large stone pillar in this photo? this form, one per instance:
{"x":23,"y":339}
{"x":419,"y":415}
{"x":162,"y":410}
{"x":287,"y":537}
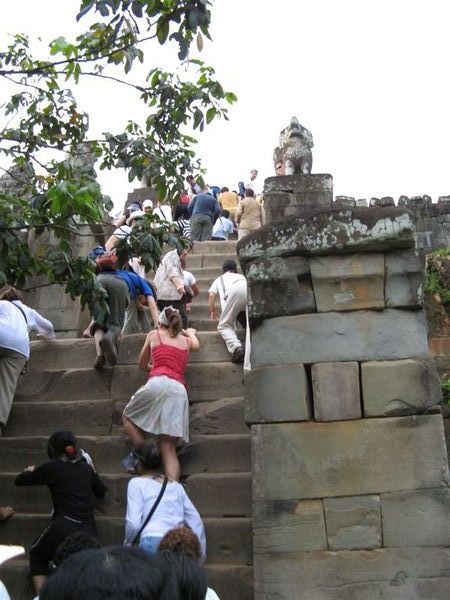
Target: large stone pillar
{"x":350,"y":471}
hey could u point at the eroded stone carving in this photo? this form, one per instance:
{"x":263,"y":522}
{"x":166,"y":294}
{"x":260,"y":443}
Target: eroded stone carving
{"x":293,"y":155}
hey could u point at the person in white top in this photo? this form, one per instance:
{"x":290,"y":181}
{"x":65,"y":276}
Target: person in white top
{"x":231,"y":287}
{"x":16,"y":321}
{"x":174,"y":509}
{"x":164,"y":212}
{"x":252,"y":184}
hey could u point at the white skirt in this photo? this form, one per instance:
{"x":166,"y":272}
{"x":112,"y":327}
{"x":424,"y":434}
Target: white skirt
{"x":160,"y":407}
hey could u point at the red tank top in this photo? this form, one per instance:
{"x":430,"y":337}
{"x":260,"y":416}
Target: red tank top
{"x":169,"y":360}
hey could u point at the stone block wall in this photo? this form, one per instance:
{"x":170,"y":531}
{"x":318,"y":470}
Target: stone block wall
{"x":350,"y":474}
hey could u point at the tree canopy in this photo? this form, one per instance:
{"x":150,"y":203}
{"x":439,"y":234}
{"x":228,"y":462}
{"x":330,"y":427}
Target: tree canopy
{"x":44,"y":128}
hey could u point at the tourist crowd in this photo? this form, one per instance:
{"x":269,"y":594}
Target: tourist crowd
{"x":160,"y":518}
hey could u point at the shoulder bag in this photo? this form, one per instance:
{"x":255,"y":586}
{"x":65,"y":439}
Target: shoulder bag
{"x":150,"y":514}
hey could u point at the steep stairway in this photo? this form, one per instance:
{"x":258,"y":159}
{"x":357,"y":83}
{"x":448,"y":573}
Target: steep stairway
{"x":62,"y":390}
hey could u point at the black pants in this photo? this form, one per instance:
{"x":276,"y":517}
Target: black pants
{"x":179,"y":305}
{"x":43,"y":549}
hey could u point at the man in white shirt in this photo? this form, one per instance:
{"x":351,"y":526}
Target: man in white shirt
{"x":231,"y":287}
{"x":252,"y":184}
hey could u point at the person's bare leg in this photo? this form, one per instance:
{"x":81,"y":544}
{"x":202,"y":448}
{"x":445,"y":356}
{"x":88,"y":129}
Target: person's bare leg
{"x":135,"y":433}
{"x":100,"y":359}
{"x":38,"y":582}
{"x":168,"y":449}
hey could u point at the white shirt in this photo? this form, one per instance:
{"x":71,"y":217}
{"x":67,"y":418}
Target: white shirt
{"x":222,"y":228}
{"x":223,"y":284}
{"x":188,"y":280}
{"x":211,"y":595}
{"x":122,"y":231}
{"x":164,"y":212}
{"x":174,"y":510}
{"x":3,"y":593}
{"x":14,"y":329}
{"x":169,"y":268}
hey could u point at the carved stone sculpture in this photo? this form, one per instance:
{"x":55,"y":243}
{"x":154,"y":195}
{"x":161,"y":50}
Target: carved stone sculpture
{"x":293,"y":155}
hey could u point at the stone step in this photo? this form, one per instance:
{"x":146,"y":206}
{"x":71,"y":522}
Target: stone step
{"x":229,"y":541}
{"x":80,"y":354}
{"x":230,"y":582}
{"x":210,"y":493}
{"x":204,"y":454}
{"x":213,"y":247}
{"x":205,"y":381}
{"x":219,"y":417}
{"x":209,"y":273}
{"x":63,"y":384}
{"x":88,"y":417}
{"x":208,"y":261}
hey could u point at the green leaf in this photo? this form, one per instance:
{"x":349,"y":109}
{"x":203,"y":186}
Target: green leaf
{"x":210,"y":114}
{"x":162,"y":30}
{"x":58,"y":45}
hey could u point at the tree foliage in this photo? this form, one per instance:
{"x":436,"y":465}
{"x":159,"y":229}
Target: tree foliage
{"x":44,"y":126}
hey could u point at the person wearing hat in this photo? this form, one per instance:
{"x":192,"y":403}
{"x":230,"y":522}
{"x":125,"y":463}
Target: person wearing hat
{"x":231,"y":287}
{"x":124,"y":230}
{"x":74,"y":485}
{"x":147,"y":206}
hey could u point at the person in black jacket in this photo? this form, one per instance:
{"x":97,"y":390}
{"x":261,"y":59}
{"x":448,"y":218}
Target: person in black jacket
{"x":73,"y":487}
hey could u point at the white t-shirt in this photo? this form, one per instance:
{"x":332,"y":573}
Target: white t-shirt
{"x":211,"y":595}
{"x":3,"y":592}
{"x":14,"y":329}
{"x":122,"y":231}
{"x":223,"y":284}
{"x":174,"y":510}
{"x":222,"y":228}
{"x":164,"y":212}
{"x":188,"y":280}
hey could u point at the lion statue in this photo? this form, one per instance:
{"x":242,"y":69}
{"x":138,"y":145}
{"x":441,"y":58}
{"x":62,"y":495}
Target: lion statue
{"x":293,"y":155}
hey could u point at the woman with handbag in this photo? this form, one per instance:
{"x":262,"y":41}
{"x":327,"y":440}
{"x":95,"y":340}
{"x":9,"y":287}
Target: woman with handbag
{"x":156,"y":504}
{"x":16,"y":321}
{"x":160,"y":407}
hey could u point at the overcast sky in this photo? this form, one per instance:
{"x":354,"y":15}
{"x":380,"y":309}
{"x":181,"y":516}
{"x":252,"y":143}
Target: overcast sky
{"x":369,"y":79}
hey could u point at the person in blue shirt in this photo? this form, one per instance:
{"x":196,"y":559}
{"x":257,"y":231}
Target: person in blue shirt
{"x":222,"y":227}
{"x":204,"y":210}
{"x":142,"y":302}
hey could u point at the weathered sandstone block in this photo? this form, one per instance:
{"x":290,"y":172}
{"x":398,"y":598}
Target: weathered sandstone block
{"x":416,"y":518}
{"x":288,"y":526}
{"x":404,"y":279}
{"x":390,"y":574}
{"x":348,"y":458}
{"x":399,"y":387}
{"x":275,"y":394}
{"x":351,"y":282}
{"x":336,"y":230}
{"x":335,"y":337}
{"x":289,"y":195}
{"x":336,"y":391}
{"x":353,"y":522}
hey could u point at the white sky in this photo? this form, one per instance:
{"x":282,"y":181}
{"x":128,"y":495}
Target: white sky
{"x":369,"y":79}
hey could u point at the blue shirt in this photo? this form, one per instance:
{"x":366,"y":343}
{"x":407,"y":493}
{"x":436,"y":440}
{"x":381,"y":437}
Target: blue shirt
{"x":136,"y":285}
{"x":204,"y":204}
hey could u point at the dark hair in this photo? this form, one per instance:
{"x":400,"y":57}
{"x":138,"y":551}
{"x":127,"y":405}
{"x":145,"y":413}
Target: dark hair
{"x":175,"y":321}
{"x":189,"y":178}
{"x":181,"y":211}
{"x":62,"y":443}
{"x":225,"y":213}
{"x":116,"y":573}
{"x":182,"y":540}
{"x":249,"y":193}
{"x":149,"y":456}
{"x":229,"y":265}
{"x":188,"y":577}
{"x":8,"y":292}
{"x":224,"y":189}
{"x":78,"y":541}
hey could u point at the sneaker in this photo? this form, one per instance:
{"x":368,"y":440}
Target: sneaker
{"x":99,"y":362}
{"x":238,"y":355}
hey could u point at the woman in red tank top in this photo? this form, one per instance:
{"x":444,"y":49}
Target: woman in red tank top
{"x":161,"y":407}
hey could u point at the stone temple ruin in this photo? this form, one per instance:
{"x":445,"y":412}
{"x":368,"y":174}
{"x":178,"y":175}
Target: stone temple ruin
{"x":350,"y":478}
{"x":346,"y":493}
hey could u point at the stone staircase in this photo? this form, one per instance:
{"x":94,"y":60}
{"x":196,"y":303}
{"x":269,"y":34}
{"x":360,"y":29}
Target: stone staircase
{"x":62,"y":390}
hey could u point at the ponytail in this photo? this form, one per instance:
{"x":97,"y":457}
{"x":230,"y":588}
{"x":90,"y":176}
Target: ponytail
{"x":175,"y":324}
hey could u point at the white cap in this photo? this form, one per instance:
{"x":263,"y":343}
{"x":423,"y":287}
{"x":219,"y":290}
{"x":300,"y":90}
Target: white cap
{"x":147,"y":203}
{"x":136,"y":214}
